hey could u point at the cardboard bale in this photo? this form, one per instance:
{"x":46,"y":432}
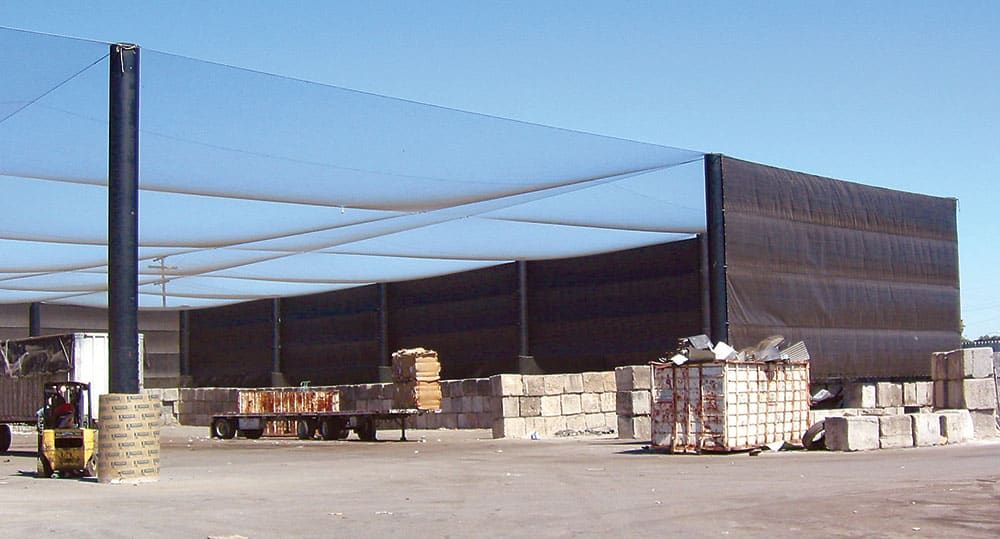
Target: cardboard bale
{"x":419,"y":395}
{"x":415,"y":365}
{"x":858,"y":433}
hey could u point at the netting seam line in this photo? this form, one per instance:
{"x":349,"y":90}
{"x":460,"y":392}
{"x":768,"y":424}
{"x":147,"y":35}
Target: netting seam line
{"x":60,"y":36}
{"x":54,"y":88}
{"x":414,"y":102}
{"x":648,"y":230}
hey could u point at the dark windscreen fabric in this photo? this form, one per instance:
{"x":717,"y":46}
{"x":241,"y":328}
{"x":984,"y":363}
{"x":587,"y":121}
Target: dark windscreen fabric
{"x":867,"y":277}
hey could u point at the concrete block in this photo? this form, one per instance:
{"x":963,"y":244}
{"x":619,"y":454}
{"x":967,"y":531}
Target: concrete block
{"x":571,"y":404}
{"x":642,"y":428}
{"x":186,"y":394}
{"x":895,"y":431}
{"x":633,"y":377}
{"x":956,"y":426}
{"x":574,"y":383}
{"x":469,"y":387}
{"x":504,"y":385}
{"x":530,"y":406}
{"x":859,"y":395}
{"x":534,"y":385}
{"x":510,"y":406}
{"x":591,"y":403}
{"x":483,"y":387}
{"x":534,"y":425}
{"x":939,"y":366}
{"x":609,"y":380}
{"x":940,"y":393}
{"x":551,"y":405}
{"x":975,"y":394}
{"x":477,"y":404}
{"x":927,"y":430}
{"x":851,"y":433}
{"x":154,"y":393}
{"x":596,"y":421}
{"x":611,"y":419}
{"x":984,"y":424}
{"x":593,"y":382}
{"x":918,"y":394}
{"x":970,"y":363}
{"x":467,"y":421}
{"x":449,"y":421}
{"x":608,"y":403}
{"x":509,"y":427}
{"x":633,"y":403}
{"x":888,"y":394}
{"x":555,"y":384}
{"x":554,"y":424}
{"x":577,"y":422}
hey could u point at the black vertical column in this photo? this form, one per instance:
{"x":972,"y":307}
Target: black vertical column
{"x":706,"y":286}
{"x":276,"y":336}
{"x":526,"y":363}
{"x":123,"y":217}
{"x":185,"y":344}
{"x":384,"y":357}
{"x":34,"y":319}
{"x":716,"y":221}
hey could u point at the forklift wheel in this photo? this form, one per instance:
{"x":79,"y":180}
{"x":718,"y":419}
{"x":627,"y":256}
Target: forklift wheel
{"x":223,"y":428}
{"x":91,"y":469}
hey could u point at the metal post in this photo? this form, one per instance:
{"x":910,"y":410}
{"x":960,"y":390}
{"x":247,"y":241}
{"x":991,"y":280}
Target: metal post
{"x":123,"y":217}
{"x":384,"y":359}
{"x":716,"y":221}
{"x":277,"y":374}
{"x":185,"y":344}
{"x":34,"y":319}
{"x":706,"y":296}
{"x":522,"y":288}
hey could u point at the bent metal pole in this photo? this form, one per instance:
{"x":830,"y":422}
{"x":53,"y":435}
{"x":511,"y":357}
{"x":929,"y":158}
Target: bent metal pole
{"x":123,"y":217}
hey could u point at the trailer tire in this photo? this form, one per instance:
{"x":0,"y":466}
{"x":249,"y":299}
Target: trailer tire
{"x":815,"y":436}
{"x":366,"y":429}
{"x":333,"y":429}
{"x":223,"y":428}
{"x":252,"y":434}
{"x":305,"y":429}
{"x":5,"y":438}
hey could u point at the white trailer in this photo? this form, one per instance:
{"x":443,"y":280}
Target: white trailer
{"x":27,"y":364}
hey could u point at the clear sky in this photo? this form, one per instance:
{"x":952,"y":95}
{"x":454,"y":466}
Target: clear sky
{"x":896,"y":94}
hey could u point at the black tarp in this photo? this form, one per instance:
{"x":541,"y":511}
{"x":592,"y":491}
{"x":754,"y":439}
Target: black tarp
{"x":867,"y":277}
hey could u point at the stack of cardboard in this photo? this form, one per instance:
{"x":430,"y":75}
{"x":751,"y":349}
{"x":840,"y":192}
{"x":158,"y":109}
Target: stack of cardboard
{"x":416,"y":376}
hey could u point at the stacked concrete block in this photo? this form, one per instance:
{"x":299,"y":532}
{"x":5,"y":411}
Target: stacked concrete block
{"x":895,"y":431}
{"x":927,"y":430}
{"x":964,"y":379}
{"x":858,"y":433}
{"x":633,"y":402}
{"x":546,"y":405}
{"x":168,"y":398}
{"x":860,"y":395}
{"x":196,"y":406}
{"x":888,"y":394}
{"x":918,"y":394}
{"x":956,"y":426}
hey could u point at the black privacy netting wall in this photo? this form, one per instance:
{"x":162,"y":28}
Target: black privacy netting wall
{"x":867,"y":277}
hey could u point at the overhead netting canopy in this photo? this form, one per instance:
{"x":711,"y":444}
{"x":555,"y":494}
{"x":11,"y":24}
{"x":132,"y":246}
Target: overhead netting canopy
{"x":254,"y":185}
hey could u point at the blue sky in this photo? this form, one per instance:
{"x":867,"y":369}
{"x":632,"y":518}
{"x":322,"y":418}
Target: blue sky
{"x":895,"y":94}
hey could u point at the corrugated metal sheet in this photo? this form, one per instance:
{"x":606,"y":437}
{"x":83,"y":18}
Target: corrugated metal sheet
{"x":728,"y":406}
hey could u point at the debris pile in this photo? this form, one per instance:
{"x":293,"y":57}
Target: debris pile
{"x":416,"y":376}
{"x":699,"y":348}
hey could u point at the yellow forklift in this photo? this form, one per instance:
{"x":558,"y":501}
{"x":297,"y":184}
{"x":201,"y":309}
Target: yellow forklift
{"x":67,"y":432}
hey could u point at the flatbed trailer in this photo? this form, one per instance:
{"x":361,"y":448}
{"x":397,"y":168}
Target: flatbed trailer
{"x":329,"y":425}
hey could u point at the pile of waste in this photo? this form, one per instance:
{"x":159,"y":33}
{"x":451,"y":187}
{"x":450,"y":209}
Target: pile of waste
{"x":699,"y":348}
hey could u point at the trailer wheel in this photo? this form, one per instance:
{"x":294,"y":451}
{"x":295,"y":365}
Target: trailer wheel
{"x":306,"y":429}
{"x":5,"y":438}
{"x":366,"y":429}
{"x":252,"y":434}
{"x":333,"y":429}
{"x":223,"y":428}
{"x":814,"y":437}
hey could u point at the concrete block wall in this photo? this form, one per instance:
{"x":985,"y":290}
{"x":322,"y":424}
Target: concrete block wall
{"x":965,"y":379}
{"x":634,"y":401}
{"x":546,"y":405}
{"x":194,"y":406}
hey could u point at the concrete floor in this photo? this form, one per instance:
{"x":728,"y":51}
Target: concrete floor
{"x":464,"y":484}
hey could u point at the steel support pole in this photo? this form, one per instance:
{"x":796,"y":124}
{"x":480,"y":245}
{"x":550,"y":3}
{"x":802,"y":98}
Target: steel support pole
{"x":276,"y":336}
{"x":123,"y":217}
{"x":185,"y":344}
{"x":716,"y":221}
{"x":34,"y":319}
{"x":383,"y":325}
{"x":706,"y":286}
{"x":522,"y":289}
